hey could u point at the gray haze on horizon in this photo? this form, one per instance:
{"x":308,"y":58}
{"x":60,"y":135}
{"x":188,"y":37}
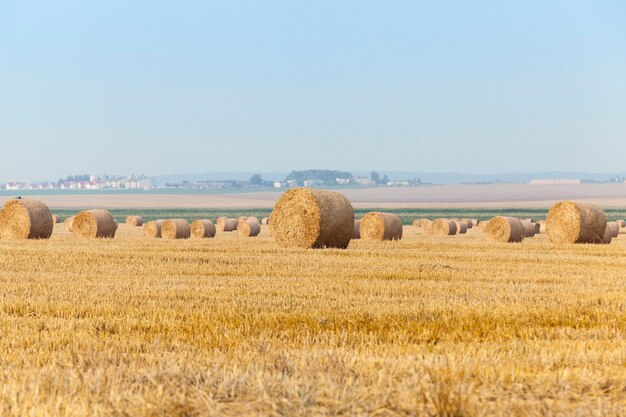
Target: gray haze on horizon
{"x":159,"y":88}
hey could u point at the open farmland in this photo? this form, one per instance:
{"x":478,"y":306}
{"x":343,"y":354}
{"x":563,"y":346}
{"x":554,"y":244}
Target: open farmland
{"x":423,"y":326}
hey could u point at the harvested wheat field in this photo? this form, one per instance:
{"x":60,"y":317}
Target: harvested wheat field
{"x":427,"y":325}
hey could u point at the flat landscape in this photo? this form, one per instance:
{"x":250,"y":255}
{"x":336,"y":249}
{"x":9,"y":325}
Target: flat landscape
{"x":440,"y":326}
{"x":439,"y":196}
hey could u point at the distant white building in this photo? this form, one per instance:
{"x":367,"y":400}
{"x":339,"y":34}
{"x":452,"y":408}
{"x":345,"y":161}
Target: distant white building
{"x":364,"y":181}
{"x":278,"y":184}
{"x":343,"y":181}
{"x":555,"y":181}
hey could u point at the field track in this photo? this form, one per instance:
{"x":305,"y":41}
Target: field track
{"x":450,"y":326}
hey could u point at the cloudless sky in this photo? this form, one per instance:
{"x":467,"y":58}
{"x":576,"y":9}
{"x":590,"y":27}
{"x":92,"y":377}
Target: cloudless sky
{"x":163,"y":87}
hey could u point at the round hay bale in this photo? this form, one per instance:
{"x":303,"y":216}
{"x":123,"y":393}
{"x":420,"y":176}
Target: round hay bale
{"x":380,"y":226}
{"x":202,"y":229}
{"x":529,"y":228}
{"x":443,"y":227}
{"x":134,"y":221}
{"x":176,"y":229}
{"x":153,"y":228}
{"x":543,"y":229}
{"x":621,"y":223}
{"x":25,"y":219}
{"x":249,"y":227}
{"x":69,"y":222}
{"x":265,"y":221}
{"x":420,"y":222}
{"x":570,"y":222}
{"x":307,"y":218}
{"x":461,"y":226}
{"x":482,"y":226}
{"x":356,"y":234}
{"x":227,"y":224}
{"x":506,"y":229}
{"x":94,"y":224}
{"x":470,"y":223}
{"x":56,"y":219}
{"x":474,"y":222}
{"x":537,"y":228}
{"x":614,"y":228}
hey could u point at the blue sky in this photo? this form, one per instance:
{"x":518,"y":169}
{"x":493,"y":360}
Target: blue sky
{"x":185,"y":87}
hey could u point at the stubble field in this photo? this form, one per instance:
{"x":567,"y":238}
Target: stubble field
{"x":448,"y":326}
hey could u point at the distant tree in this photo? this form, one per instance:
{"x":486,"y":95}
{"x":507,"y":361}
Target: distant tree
{"x":375,"y":176}
{"x":256,"y":179}
{"x":384,"y":179}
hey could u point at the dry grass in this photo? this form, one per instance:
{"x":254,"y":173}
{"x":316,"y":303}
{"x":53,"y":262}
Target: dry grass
{"x":429,"y":325}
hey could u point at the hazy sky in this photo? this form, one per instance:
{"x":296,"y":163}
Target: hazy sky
{"x":165,"y":87}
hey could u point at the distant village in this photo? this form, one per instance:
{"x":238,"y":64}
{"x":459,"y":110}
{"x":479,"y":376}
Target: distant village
{"x":308,"y":178}
{"x":85,"y":182}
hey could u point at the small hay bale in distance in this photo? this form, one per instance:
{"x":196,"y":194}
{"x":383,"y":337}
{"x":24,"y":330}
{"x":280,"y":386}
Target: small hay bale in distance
{"x":227,"y":224}
{"x":308,"y":218}
{"x":56,"y":219}
{"x":443,"y":227}
{"x":380,"y":226}
{"x":176,"y":229}
{"x":202,"y":229}
{"x":570,"y":222}
{"x":621,"y":223}
{"x":420,"y":222}
{"x":482,"y":226}
{"x":356,"y":233}
{"x":537,"y":228}
{"x":134,"y":221}
{"x":25,"y":219}
{"x":153,"y":228}
{"x":249,"y":227}
{"x":469,"y":223}
{"x":265,"y":221}
{"x":614,"y":228}
{"x":461,"y":226}
{"x":505,"y":229}
{"x":94,"y":224}
{"x":529,"y":228}
{"x":69,"y":222}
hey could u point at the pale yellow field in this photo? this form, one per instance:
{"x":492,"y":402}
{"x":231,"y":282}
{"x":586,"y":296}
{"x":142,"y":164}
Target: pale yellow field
{"x":454,"y":326}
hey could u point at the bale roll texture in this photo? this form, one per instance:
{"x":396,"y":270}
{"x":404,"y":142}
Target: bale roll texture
{"x":134,"y":221}
{"x":505,"y":229}
{"x":614,"y":228}
{"x":249,"y":227}
{"x":537,"y":228}
{"x":470,"y":223}
{"x":380,"y":226}
{"x":307,"y":218}
{"x":25,"y":219}
{"x":94,"y":224}
{"x":570,"y":222}
{"x":356,"y":234}
{"x":153,"y":228}
{"x":69,"y":223}
{"x":443,"y":227}
{"x":226,"y":224}
{"x":176,"y":229}
{"x":461,"y":226}
{"x":482,"y":226}
{"x":202,"y":229}
{"x":529,"y":228}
